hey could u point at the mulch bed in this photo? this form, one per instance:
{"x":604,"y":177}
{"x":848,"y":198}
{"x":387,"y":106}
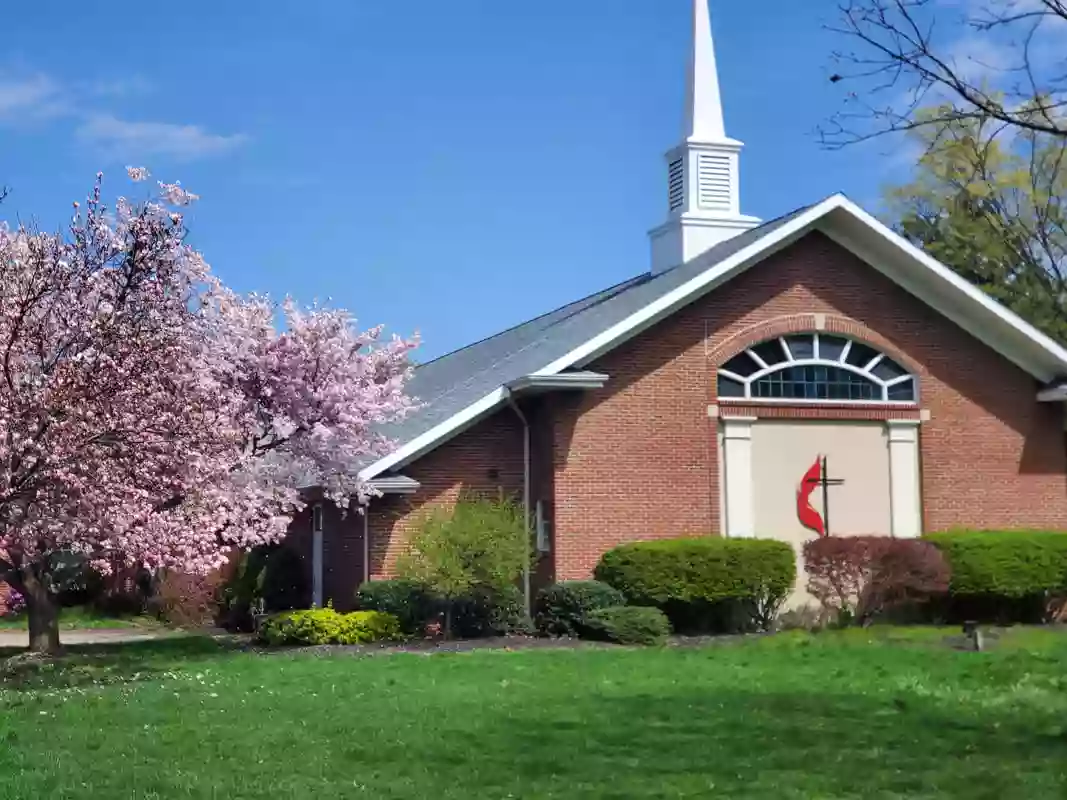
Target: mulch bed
{"x":428,"y":647}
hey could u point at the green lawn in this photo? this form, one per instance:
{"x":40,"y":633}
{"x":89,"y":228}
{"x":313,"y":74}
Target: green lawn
{"x":79,"y":618}
{"x":837,"y":715}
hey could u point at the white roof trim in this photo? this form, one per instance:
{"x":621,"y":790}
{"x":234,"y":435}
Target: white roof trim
{"x":395,"y":484}
{"x":562,"y":380}
{"x":438,"y":433}
{"x":1045,"y":359}
{"x":477,"y":411}
{"x":1052,"y":354}
{"x":1053,"y":394}
{"x":969,"y":290}
{"x":664,"y":305}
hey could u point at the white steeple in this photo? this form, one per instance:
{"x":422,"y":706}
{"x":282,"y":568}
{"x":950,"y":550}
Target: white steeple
{"x":702,"y":186}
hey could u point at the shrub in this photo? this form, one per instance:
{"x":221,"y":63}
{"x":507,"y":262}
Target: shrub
{"x":320,"y":626}
{"x":490,"y":612}
{"x":808,"y":617}
{"x":365,"y":627}
{"x":409,"y":601}
{"x":857,"y":578}
{"x":243,"y":588}
{"x":311,"y":627}
{"x":14,"y":603}
{"x":561,"y":609}
{"x":186,"y":601}
{"x":627,"y":625}
{"x":705,"y":583}
{"x":479,"y":548}
{"x":123,"y":591}
{"x":482,"y":612}
{"x":78,"y":584}
{"x":1009,"y":575}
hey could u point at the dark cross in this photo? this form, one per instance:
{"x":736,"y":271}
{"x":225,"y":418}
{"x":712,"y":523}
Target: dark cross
{"x":825,"y":482}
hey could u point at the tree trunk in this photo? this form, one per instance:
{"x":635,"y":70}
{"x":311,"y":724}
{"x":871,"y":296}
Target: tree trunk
{"x":42,"y":610}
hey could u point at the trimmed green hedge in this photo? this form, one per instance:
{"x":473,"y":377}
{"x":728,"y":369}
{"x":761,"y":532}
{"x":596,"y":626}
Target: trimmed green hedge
{"x":627,"y":625}
{"x":1010,"y":564}
{"x":704,"y":583}
{"x":1004,"y":576}
{"x":562,"y":608}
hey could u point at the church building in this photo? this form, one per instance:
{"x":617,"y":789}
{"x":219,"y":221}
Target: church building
{"x":808,"y":375}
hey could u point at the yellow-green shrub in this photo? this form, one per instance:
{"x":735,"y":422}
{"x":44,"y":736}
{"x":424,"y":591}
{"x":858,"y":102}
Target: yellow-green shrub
{"x":364,"y":627}
{"x":326,"y":626}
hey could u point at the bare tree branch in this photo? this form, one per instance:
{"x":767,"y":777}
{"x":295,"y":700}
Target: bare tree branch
{"x":908,"y":54}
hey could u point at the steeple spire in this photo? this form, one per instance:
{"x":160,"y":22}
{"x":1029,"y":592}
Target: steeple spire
{"x":703,"y":106}
{"x":703,"y":201}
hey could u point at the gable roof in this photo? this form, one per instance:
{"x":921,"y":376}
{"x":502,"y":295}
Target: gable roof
{"x":462,"y":387}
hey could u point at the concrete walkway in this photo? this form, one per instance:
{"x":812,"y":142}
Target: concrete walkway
{"x":89,"y":636}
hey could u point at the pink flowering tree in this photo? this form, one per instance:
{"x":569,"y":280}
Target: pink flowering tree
{"x":150,"y":416}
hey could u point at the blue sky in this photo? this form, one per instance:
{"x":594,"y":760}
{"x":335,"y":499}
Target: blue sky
{"x":452,"y":168}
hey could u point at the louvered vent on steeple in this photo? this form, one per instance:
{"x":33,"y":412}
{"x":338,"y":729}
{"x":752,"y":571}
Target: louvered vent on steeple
{"x":676,"y":184}
{"x":714,"y":175}
{"x":702,"y":170}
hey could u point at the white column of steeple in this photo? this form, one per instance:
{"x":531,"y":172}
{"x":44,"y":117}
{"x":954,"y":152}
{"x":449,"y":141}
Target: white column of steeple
{"x":702,"y":171}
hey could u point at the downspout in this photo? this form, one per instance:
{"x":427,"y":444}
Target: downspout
{"x":366,"y":542}
{"x":525,"y":496}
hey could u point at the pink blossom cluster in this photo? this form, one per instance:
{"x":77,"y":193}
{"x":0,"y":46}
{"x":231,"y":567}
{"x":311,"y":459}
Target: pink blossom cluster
{"x":149,"y":415}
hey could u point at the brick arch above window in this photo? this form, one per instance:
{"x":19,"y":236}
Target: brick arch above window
{"x":823,"y":365}
{"x":807,"y":323}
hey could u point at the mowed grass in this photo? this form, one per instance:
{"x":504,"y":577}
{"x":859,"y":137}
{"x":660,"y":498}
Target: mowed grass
{"x":83,"y":618}
{"x":836,"y":715}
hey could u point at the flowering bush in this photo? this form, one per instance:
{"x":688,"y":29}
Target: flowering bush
{"x":857,"y":578}
{"x":14,"y":604}
{"x":326,"y":626}
{"x":187,"y":601}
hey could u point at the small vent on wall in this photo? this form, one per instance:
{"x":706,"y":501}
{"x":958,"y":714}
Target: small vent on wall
{"x":713,"y":175}
{"x":676,"y":184}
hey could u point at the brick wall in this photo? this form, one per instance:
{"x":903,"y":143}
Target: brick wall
{"x":487,"y":458}
{"x":637,"y":459}
{"x":342,"y":552}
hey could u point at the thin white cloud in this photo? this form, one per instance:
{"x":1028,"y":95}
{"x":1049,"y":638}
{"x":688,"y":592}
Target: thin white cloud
{"x":127,"y":139}
{"x":28,"y":98}
{"x":995,"y":52}
{"x":981,"y":59}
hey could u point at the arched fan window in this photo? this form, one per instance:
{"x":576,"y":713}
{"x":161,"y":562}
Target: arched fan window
{"x":815,"y":367}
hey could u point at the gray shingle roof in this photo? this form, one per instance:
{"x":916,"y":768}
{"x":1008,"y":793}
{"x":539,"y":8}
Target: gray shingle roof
{"x":452,"y":382}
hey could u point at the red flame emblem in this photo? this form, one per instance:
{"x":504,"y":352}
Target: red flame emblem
{"x":809,"y":517}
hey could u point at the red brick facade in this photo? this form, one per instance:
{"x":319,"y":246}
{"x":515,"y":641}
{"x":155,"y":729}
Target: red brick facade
{"x":638,"y":459}
{"x":486,"y":459}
